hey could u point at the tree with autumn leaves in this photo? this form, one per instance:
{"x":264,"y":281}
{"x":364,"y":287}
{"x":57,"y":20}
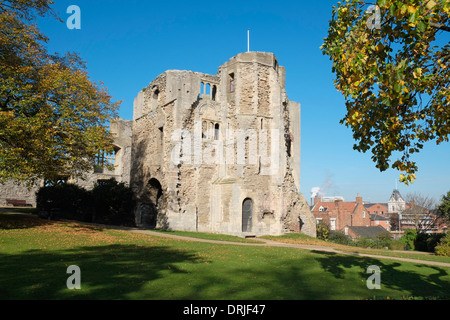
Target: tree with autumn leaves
{"x":394,"y":75}
{"x":53,"y":118}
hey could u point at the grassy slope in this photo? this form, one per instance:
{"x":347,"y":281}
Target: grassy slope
{"x":35,"y":254}
{"x":304,"y":239}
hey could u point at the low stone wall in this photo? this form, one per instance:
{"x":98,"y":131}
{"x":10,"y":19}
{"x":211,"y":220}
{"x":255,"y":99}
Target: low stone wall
{"x":14,"y":191}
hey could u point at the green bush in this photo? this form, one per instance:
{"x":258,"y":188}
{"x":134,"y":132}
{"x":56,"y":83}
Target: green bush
{"x":382,"y":241}
{"x":66,"y":201}
{"x":113,"y":203}
{"x":109,"y":202}
{"x":433,"y":240}
{"x":409,"y":239}
{"x":443,"y":248}
{"x":420,"y":243}
{"x":364,"y":242}
{"x":427,"y":242}
{"x":339,"y":237}
{"x":322,"y":230}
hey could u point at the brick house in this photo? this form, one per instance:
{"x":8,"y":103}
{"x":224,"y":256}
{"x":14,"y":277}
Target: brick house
{"x":424,"y":220}
{"x":377,"y":208}
{"x":338,"y":214}
{"x":379,"y":220}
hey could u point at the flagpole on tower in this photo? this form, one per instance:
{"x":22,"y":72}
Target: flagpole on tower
{"x":248,"y":40}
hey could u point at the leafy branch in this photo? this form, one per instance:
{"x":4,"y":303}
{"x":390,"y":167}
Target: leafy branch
{"x":395,"y":79}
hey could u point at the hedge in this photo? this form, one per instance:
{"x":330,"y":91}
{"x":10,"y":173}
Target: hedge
{"x":110,"y":202}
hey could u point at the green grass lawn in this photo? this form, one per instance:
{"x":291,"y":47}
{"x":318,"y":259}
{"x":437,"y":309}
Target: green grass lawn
{"x":35,"y":254}
{"x":210,"y":236}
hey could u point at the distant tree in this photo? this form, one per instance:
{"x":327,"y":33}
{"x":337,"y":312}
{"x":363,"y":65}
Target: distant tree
{"x":53,"y":119}
{"x":394,"y":76}
{"x":444,"y":207}
{"x":420,"y":211}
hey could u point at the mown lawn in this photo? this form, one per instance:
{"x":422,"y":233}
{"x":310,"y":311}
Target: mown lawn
{"x":35,"y":254}
{"x":210,"y":236}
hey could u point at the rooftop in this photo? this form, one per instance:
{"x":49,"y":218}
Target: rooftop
{"x":396,"y":196}
{"x":370,"y":232}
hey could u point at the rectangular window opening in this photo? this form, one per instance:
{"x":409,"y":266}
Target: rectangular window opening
{"x":231,"y":82}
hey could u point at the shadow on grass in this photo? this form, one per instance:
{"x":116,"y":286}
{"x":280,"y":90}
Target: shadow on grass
{"x":154,"y":273}
{"x":107,"y":272}
{"x":164,"y":272}
{"x":11,"y":221}
{"x":182,"y":270}
{"x":416,"y":280}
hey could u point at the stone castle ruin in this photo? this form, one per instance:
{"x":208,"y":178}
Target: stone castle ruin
{"x":209,"y":153}
{"x":220,"y":153}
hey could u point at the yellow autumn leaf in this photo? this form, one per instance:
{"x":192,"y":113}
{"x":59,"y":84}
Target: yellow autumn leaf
{"x":412,"y":9}
{"x":417,"y":73}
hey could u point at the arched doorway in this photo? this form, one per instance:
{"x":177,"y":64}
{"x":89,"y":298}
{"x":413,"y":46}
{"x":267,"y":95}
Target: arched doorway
{"x":153,"y":193}
{"x":247,"y":215}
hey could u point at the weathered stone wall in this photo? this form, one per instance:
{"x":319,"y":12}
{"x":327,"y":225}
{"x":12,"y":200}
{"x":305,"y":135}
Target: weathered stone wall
{"x":12,"y":190}
{"x":205,"y":150}
{"x":264,"y":91}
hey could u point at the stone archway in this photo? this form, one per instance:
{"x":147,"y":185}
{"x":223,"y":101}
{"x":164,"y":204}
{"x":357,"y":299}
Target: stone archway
{"x":153,"y":192}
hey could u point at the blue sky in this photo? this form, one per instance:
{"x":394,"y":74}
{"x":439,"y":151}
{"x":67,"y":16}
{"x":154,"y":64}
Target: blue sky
{"x":128,"y":43}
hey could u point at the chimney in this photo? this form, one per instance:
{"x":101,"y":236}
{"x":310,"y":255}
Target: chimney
{"x":359,"y":199}
{"x":316,"y":200}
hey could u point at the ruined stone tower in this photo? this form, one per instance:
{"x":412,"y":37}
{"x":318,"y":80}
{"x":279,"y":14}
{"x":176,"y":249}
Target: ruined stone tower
{"x":220,"y":153}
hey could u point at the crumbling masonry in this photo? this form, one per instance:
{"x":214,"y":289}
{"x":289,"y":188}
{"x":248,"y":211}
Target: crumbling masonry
{"x":220,"y":153}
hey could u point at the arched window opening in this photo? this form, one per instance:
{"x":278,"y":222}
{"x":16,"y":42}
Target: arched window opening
{"x":216,"y":131}
{"x":154,"y":193}
{"x":155,"y":97}
{"x":231,"y":82}
{"x":247,"y":215}
{"x":202,"y":88}
{"x":204,"y":129}
{"x":214,"y":93}
{"x":211,"y":131}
